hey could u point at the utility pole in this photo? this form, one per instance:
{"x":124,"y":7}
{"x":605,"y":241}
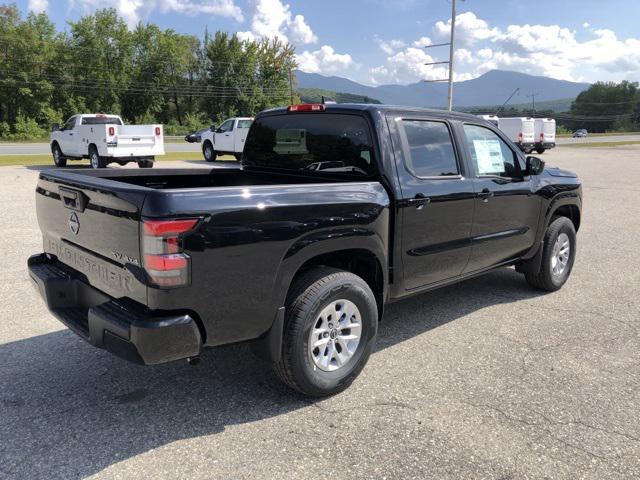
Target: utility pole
{"x":451,"y":54}
{"x":507,"y":101}
{"x":533,"y":102}
{"x":291,"y":85}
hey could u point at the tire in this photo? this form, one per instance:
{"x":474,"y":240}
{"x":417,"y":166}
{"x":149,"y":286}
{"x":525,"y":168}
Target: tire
{"x":208,"y":152}
{"x":540,"y":150}
{"x":238,"y":157}
{"x":558,"y":234}
{"x":145,"y":163}
{"x":96,"y":160}
{"x":58,"y":159}
{"x":314,"y":297}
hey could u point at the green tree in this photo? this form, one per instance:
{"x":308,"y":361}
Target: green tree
{"x":605,"y":105}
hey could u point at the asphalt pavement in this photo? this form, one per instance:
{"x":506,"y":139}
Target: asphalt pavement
{"x":484,"y":379}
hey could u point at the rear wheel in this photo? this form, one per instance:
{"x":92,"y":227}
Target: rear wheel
{"x":558,"y":255}
{"x":238,"y":157}
{"x":58,"y":159}
{"x":208,"y":151}
{"x":540,"y":150}
{"x":330,"y":330}
{"x":95,"y":159}
{"x":145,"y":163}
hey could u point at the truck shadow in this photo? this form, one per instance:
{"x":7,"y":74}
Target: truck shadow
{"x":71,"y":411}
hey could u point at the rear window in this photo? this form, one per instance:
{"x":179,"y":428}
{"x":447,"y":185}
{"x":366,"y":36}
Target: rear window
{"x":244,"y":123}
{"x":101,"y":121}
{"x":318,"y":142}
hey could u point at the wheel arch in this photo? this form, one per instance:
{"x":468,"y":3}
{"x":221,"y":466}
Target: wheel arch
{"x":569,"y":210}
{"x":364,"y":262}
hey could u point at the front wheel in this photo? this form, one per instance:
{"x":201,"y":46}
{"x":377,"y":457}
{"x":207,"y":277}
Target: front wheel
{"x":58,"y":159}
{"x":330,"y":329}
{"x":208,"y":152}
{"x":558,"y":255}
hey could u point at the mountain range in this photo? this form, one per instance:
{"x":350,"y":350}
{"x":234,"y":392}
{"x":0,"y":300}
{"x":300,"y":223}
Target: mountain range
{"x":491,"y":88}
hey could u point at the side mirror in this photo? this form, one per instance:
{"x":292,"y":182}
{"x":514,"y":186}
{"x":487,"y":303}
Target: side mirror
{"x":212,"y":128}
{"x":55,"y":127}
{"x":535,"y":166}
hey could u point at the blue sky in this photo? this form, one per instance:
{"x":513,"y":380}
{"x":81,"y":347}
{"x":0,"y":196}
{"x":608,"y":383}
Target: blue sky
{"x":381,"y":41}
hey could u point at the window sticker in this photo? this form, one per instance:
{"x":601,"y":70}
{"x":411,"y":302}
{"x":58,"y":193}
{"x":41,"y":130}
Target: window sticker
{"x":488,"y":156}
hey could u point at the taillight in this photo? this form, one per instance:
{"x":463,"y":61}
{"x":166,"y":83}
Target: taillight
{"x":307,"y":107}
{"x":520,"y":137}
{"x":164,"y":260}
{"x":157,"y":131}
{"x":112,"y":131}
{"x":542,"y":136}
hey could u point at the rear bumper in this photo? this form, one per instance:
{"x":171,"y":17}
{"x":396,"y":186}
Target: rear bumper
{"x":546,"y":145}
{"x":126,"y":329}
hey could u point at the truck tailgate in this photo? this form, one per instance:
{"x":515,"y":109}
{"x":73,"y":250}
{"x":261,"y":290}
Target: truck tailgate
{"x":93,"y":229}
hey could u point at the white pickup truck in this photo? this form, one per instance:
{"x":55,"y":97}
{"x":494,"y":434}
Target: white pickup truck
{"x":104,"y":139}
{"x":227,"y":139}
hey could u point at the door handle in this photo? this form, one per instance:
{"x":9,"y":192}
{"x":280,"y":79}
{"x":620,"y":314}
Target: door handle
{"x":485,"y":194}
{"x":419,"y":201}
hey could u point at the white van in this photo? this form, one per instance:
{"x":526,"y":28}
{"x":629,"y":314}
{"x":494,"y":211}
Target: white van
{"x":491,"y":119}
{"x":544,"y":134}
{"x":520,"y":130}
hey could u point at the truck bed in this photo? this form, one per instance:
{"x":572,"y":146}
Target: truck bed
{"x":255,"y":229}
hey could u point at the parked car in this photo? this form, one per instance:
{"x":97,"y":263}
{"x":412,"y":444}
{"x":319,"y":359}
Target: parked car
{"x":544,"y":134}
{"x":300,"y":262}
{"x":520,"y":130}
{"x":104,"y":139}
{"x":580,"y":133}
{"x":227,"y":139}
{"x":196,"y":137}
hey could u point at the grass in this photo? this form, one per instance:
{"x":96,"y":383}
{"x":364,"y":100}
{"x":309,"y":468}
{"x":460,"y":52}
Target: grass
{"x":607,"y":134}
{"x":6,"y":160}
{"x":602,"y":144}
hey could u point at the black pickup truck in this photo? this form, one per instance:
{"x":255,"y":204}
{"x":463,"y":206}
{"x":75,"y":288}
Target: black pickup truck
{"x":335,"y":211}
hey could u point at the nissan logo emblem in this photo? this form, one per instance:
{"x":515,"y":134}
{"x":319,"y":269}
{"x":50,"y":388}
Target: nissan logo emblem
{"x":74,"y":223}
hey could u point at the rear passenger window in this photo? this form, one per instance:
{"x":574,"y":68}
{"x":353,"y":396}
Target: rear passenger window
{"x":431,"y":149}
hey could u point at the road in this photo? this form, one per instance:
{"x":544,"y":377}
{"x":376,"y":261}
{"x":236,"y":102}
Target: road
{"x":487,"y":379}
{"x":43,"y":148}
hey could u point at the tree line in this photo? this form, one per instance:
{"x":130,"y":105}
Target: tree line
{"x":146,"y":74}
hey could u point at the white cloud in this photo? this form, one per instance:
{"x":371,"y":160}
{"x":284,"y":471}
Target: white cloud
{"x":325,"y":60}
{"x":469,"y":29}
{"x":273,"y":19}
{"x":390,"y":46}
{"x":38,"y":6}
{"x":422,"y":42}
{"x":549,"y":50}
{"x":133,"y":11}
{"x":407,"y":66}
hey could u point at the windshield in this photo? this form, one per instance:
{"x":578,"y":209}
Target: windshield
{"x":101,"y":121}
{"x":318,"y":142}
